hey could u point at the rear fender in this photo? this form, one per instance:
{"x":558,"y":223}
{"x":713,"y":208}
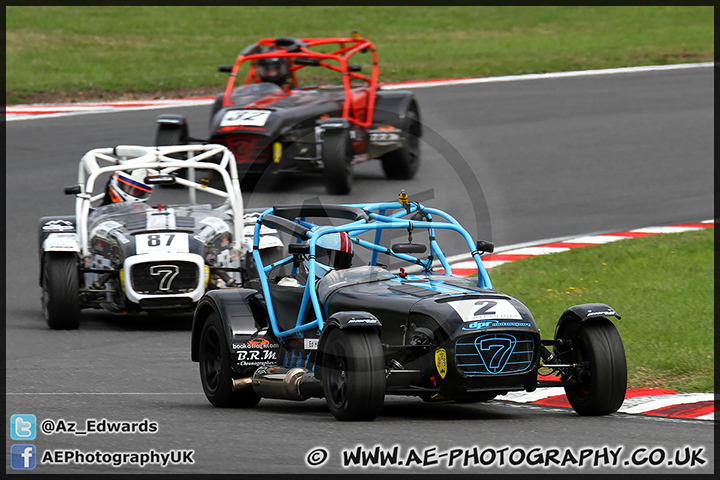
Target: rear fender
{"x":334,"y":123}
{"x":575,"y":315}
{"x":240,"y":310}
{"x":390,"y":108}
{"x":343,"y":320}
{"x":172,"y":119}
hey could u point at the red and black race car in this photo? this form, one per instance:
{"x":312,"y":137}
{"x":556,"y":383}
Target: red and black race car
{"x":273,"y":124}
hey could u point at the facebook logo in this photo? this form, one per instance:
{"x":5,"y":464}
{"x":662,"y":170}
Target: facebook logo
{"x":23,"y":457}
{"x":23,"y":427}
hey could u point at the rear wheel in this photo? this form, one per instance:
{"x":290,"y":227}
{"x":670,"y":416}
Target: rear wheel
{"x":602,"y":379}
{"x":217,"y":105}
{"x":61,"y":290}
{"x":337,"y":160}
{"x":403,"y":163}
{"x":215,"y":373}
{"x":353,"y":374}
{"x":169,"y":134}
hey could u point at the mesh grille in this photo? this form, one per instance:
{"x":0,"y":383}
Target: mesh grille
{"x":494,"y":353}
{"x":164,"y":278}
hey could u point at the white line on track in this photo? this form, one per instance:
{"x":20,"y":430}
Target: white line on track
{"x":542,"y":76}
{"x":597,"y":239}
{"x":669,"y":229}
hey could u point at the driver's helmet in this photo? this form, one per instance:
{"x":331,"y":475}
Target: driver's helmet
{"x":273,"y":69}
{"x":335,"y":249}
{"x":128,"y":187}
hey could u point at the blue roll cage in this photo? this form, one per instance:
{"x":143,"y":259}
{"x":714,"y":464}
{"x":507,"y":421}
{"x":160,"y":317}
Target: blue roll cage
{"x":379,"y":220}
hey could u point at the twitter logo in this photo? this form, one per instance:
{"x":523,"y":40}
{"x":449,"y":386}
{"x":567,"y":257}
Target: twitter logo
{"x":23,"y":426}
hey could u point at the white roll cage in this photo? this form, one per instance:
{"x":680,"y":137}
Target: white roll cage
{"x":132,"y":157}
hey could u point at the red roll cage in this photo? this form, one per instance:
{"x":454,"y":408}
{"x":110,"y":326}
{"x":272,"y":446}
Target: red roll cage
{"x":300,"y":48}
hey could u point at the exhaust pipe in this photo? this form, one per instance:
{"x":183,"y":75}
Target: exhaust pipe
{"x":241,"y":384}
{"x":282,"y":383}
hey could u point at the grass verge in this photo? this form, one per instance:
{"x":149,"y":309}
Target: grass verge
{"x":161,"y":48}
{"x":662,"y":286}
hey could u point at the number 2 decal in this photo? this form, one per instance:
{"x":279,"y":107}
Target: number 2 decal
{"x":480,"y":309}
{"x":485,"y":307}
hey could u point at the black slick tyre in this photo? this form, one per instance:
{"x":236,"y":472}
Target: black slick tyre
{"x":353,"y":374}
{"x":603,"y":380}
{"x":169,"y":134}
{"x":60,"y":291}
{"x":215,"y":373}
{"x":403,"y":163}
{"x":337,"y":161}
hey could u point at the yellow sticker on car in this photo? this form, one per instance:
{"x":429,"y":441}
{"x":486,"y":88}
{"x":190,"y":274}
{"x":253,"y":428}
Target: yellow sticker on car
{"x":277,"y":152}
{"x":441,"y":362}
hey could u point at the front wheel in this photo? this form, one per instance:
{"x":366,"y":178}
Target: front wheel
{"x":337,"y":161}
{"x":215,"y":373}
{"x":353,"y":374}
{"x":602,"y":377}
{"x":61,"y":291}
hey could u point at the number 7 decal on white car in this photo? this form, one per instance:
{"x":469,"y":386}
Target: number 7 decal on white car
{"x":167,"y":274}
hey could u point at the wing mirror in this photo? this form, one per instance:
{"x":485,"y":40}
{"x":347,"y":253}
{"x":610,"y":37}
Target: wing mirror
{"x":408,"y":248}
{"x":483,"y":246}
{"x":298,"y":249}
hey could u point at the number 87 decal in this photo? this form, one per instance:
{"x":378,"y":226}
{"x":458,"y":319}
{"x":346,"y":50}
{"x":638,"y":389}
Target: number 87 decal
{"x":154,"y":240}
{"x":170,"y":242}
{"x":167,"y":273}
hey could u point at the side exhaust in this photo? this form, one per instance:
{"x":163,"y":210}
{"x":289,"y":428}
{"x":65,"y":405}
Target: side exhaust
{"x":282,"y":383}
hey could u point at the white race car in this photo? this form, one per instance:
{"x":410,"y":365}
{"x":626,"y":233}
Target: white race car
{"x":131,"y":246}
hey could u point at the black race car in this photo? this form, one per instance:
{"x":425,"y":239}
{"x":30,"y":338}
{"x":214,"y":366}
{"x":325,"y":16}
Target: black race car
{"x":271,"y":123}
{"x":330,"y":320}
